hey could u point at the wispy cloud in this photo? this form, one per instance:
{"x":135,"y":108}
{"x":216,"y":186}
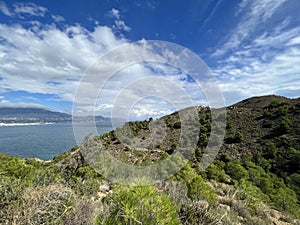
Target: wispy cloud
{"x":212,"y":13}
{"x":33,"y":57}
{"x":21,"y":9}
{"x":294,"y":41}
{"x":3,"y":100}
{"x":58,"y":18}
{"x":258,"y":78}
{"x":30,"y":9}
{"x":114,"y":13}
{"x":119,"y":23}
{"x":259,"y":55}
{"x":34,"y":61}
{"x":150,"y":4}
{"x":269,"y":66}
{"x":278,"y":40}
{"x":5,"y":103}
{"x":4,"y":9}
{"x":255,"y":13}
{"x":243,"y":4}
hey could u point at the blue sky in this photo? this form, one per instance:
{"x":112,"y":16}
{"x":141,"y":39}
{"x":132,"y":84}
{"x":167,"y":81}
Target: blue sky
{"x":252,"y":48}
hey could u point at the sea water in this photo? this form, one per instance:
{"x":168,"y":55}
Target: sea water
{"x":46,"y":140}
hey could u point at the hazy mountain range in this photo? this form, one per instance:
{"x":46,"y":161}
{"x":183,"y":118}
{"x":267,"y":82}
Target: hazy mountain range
{"x":40,"y":115}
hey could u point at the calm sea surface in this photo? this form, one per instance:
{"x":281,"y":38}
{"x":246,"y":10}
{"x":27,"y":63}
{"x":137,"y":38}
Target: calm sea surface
{"x":44,"y":141}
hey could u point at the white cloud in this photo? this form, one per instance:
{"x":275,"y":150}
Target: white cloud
{"x":114,"y":13}
{"x":20,"y":105}
{"x":260,"y":55}
{"x":243,"y":4}
{"x":120,"y":25}
{"x":278,"y":39}
{"x":212,"y":13}
{"x":30,"y":9}
{"x":2,"y":100}
{"x":294,"y":41}
{"x":141,"y":113}
{"x":152,"y":4}
{"x":259,"y":73}
{"x":4,"y":9}
{"x":33,"y":57}
{"x":139,"y":89}
{"x":58,"y":18}
{"x":44,"y":59}
{"x":256,"y":12}
{"x":21,"y":9}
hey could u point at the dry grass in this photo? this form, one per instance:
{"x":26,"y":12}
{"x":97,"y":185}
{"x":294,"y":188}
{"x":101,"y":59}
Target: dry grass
{"x":54,"y":204}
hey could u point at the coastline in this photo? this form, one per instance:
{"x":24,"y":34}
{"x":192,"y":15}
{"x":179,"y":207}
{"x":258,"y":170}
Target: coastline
{"x":22,"y":124}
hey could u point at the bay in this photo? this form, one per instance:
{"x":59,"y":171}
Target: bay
{"x":46,"y":140}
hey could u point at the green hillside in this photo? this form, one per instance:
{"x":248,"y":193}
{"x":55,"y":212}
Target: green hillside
{"x":255,"y":178}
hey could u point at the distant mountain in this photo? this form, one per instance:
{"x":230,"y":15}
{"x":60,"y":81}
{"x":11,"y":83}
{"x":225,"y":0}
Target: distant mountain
{"x":91,"y":119}
{"x":40,"y":115}
{"x":29,"y":115}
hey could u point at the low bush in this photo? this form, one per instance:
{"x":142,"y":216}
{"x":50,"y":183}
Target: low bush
{"x":139,"y":205}
{"x":236,"y":171}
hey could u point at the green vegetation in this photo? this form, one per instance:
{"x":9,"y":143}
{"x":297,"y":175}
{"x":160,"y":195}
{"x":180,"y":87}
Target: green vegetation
{"x":235,"y":138}
{"x":255,"y":178}
{"x":139,"y":205}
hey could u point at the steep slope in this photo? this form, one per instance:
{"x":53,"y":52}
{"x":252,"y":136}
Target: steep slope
{"x":264,"y":119}
{"x":269,"y":128}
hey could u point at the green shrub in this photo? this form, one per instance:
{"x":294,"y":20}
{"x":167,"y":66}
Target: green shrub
{"x":282,"y":110}
{"x":236,"y":171}
{"x":279,"y":193}
{"x":238,"y":137}
{"x":197,"y":188}
{"x":274,"y":104}
{"x":262,"y":162}
{"x":216,"y":173}
{"x":266,"y":113}
{"x":198,"y":154}
{"x":203,"y":129}
{"x":11,"y":189}
{"x":203,"y":139}
{"x":229,"y":122}
{"x":285,"y":126}
{"x":255,"y":173}
{"x":235,"y":138}
{"x":14,"y":167}
{"x":85,"y":181}
{"x":252,"y":194}
{"x":174,"y":146}
{"x":294,"y":183}
{"x":225,"y":157}
{"x":286,"y":199}
{"x":266,"y":185}
{"x":271,"y":150}
{"x":140,"y":205}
